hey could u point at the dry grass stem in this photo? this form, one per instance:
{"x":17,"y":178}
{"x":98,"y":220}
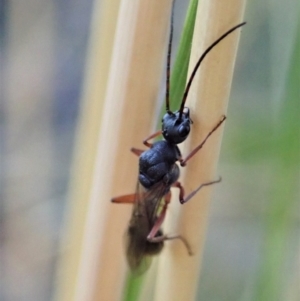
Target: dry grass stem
{"x":133,"y":81}
{"x":178,"y":274}
{"x":98,"y":63}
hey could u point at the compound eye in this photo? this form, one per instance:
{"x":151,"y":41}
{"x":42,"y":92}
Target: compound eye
{"x":183,"y":130}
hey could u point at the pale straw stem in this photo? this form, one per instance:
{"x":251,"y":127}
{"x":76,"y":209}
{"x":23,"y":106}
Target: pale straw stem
{"x":178,"y":274}
{"x":133,"y":82}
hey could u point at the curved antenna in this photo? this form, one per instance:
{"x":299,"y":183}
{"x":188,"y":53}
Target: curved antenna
{"x":187,"y":89}
{"x":169,"y":61}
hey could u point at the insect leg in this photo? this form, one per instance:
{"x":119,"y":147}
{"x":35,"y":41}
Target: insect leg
{"x":151,"y":236}
{"x":156,"y":239}
{"x":145,"y":141}
{"x":183,"y":199}
{"x":169,"y":237}
{"x":185,"y":242}
{"x":124,"y":199}
{"x":194,"y":151}
{"x":136,"y":151}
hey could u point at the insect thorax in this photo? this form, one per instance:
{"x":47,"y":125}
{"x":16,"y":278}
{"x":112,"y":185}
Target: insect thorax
{"x":159,"y":164}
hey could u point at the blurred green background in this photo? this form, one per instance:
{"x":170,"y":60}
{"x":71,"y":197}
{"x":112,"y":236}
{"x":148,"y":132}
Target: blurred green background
{"x":252,"y":250}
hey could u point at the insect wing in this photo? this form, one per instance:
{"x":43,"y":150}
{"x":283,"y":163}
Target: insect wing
{"x":144,"y":214}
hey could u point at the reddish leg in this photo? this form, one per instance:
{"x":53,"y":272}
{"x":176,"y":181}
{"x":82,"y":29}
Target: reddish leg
{"x":194,"y":151}
{"x":124,"y":199}
{"x":183,"y":199}
{"x":160,"y":218}
{"x":145,"y":141}
{"x":156,"y":239}
{"x":136,"y":151}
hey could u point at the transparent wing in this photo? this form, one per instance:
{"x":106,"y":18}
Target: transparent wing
{"x":148,"y":202}
{"x":144,"y":214}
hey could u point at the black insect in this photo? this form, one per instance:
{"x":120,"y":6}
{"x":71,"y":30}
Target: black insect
{"x":158,"y":172}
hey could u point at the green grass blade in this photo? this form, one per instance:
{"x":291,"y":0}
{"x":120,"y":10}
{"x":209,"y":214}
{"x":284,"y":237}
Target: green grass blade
{"x":180,"y":68}
{"x":181,"y":64}
{"x":133,"y":287}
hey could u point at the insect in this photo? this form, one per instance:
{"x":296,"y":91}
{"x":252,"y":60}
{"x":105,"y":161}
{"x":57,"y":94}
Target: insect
{"x":158,"y":172}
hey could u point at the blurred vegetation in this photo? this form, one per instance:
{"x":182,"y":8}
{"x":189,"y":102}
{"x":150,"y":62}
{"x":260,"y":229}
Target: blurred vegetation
{"x":260,"y":164}
{"x":284,"y":154}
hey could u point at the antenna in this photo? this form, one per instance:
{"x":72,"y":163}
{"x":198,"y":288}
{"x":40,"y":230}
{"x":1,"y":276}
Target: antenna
{"x":187,"y":89}
{"x":169,"y":62}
